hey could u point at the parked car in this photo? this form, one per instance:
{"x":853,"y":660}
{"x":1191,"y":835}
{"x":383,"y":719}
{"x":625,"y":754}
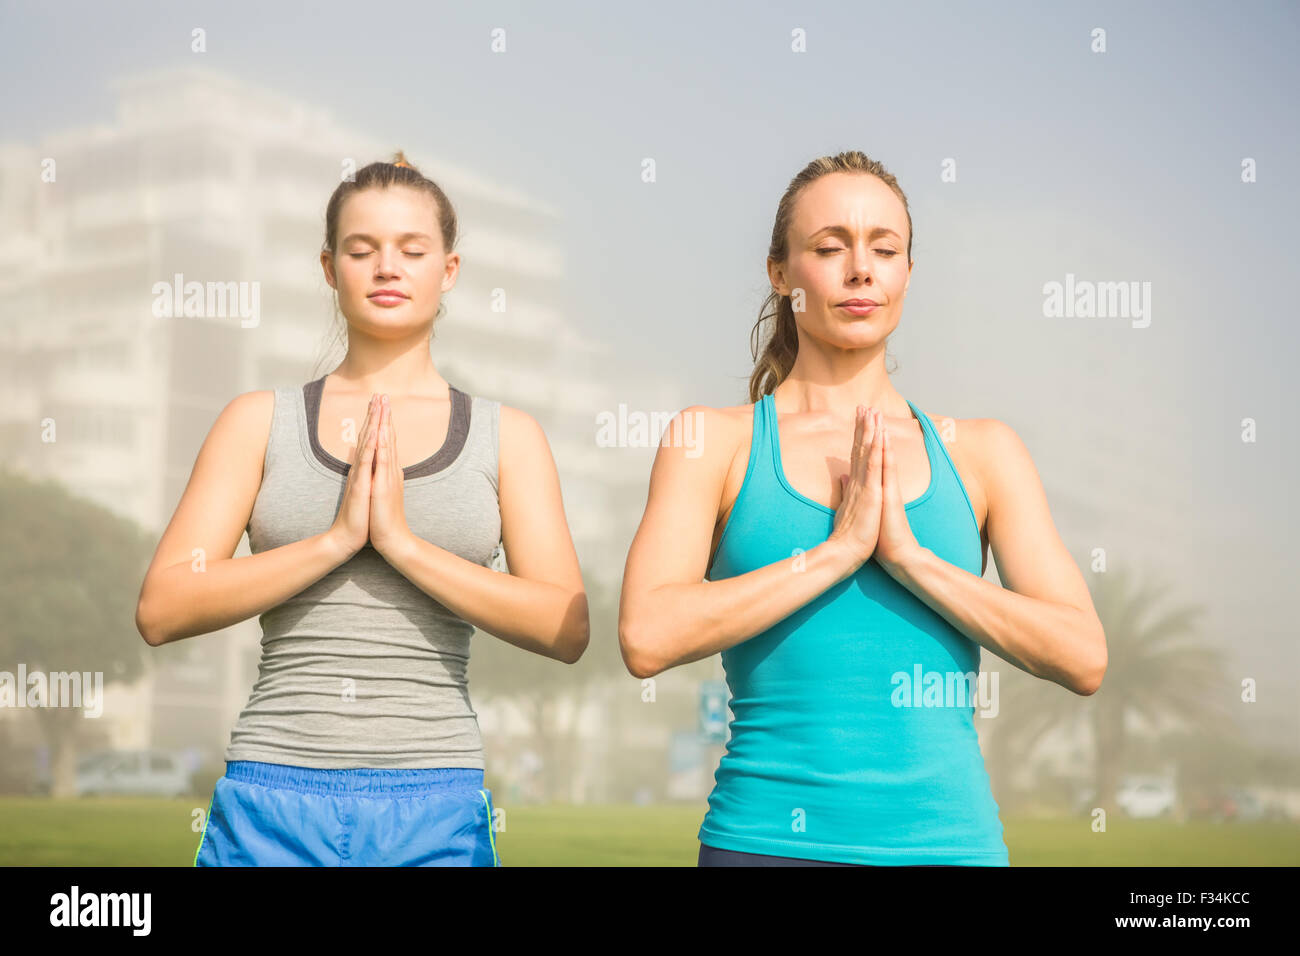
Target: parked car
{"x":1139,"y":796}
{"x":1144,"y":797}
{"x":154,"y":773}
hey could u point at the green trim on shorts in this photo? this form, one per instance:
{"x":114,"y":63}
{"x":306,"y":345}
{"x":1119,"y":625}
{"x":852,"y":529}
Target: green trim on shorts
{"x":496,"y":860}
{"x":206,"y":817}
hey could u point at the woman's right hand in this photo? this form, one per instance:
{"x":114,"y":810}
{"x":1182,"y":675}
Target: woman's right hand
{"x":857,"y":521}
{"x":351,"y":528}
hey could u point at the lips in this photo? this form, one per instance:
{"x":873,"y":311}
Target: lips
{"x":388,"y":298}
{"x":859,"y":302}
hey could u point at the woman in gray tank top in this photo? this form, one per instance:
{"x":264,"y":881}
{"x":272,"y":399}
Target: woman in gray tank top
{"x":358,"y":744}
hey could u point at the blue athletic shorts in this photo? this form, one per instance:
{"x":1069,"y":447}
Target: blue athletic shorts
{"x":269,"y":814}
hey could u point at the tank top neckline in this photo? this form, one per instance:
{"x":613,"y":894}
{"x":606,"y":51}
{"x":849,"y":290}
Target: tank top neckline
{"x":452,"y":445}
{"x":773,"y":434}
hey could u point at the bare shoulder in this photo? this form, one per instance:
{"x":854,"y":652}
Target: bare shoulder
{"x":522,"y":448}
{"x":976,"y":446}
{"x":696,"y":447}
{"x":255,"y":404}
{"x":999,"y":458}
{"x":218,"y":499}
{"x":719,"y":438}
{"x":245,"y":420}
{"x":518,"y":428}
{"x":991,"y":443}
{"x":713,"y":434}
{"x":727,"y":419}
{"x":238,"y":441}
{"x":963,"y":437}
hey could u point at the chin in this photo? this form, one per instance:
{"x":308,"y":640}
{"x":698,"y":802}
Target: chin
{"x":856,"y":331}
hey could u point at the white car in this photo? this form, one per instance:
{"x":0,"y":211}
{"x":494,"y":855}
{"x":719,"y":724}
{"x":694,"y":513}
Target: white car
{"x":1145,"y":797}
{"x":154,"y":773}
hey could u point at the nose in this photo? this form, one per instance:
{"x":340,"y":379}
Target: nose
{"x":860,"y":264}
{"x":386,"y":262}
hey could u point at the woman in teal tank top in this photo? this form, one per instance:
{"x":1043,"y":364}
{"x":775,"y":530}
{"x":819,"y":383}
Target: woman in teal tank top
{"x":850,"y":632}
{"x":816,"y":695}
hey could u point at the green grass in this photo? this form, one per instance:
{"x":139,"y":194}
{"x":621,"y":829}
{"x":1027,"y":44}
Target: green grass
{"x":122,"y":831}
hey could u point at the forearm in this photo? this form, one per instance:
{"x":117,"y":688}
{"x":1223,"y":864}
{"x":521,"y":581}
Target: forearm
{"x":1049,"y":640}
{"x":182,"y":601}
{"x":678,"y":623}
{"x":533,"y":615}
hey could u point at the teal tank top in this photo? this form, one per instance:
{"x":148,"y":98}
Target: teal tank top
{"x":823,"y":760}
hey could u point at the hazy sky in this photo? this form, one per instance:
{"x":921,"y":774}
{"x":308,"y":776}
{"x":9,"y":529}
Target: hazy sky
{"x":1122,"y":166}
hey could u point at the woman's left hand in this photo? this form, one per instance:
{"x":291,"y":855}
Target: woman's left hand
{"x":388,"y":527}
{"x":895,"y":543}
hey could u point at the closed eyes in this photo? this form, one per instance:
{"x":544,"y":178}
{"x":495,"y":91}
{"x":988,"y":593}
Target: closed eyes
{"x":884,"y":252}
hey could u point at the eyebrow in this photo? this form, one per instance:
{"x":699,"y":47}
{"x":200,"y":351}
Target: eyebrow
{"x":843,"y":231}
{"x":402,"y":238}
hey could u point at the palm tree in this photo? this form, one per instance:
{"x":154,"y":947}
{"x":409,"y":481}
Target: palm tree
{"x":1157,"y":670}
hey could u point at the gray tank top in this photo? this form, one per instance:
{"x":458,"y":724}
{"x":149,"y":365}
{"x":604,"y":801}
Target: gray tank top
{"x":362,"y":668}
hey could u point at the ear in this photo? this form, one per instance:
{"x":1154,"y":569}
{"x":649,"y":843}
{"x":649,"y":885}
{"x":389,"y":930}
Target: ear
{"x":776,"y":277}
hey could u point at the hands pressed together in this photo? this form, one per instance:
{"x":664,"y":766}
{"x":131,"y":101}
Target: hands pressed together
{"x":871,"y":521}
{"x":372,"y":509}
